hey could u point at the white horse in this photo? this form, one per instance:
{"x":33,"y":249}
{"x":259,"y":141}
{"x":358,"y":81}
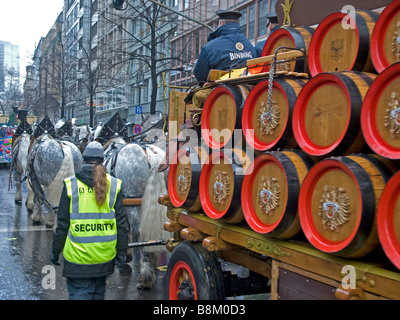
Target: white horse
{"x":19,"y":157}
{"x":83,"y":135}
{"x":50,"y":161}
{"x":137,"y":166}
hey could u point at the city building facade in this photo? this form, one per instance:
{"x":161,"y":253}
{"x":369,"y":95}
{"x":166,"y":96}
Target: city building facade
{"x":9,"y":65}
{"x":116,"y":60}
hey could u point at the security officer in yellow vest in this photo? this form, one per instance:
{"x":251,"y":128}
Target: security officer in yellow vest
{"x":92,"y":227}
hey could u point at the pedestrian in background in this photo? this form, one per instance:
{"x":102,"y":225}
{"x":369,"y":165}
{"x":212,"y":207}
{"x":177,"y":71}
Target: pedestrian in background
{"x":227,"y":47}
{"x":92,"y":227}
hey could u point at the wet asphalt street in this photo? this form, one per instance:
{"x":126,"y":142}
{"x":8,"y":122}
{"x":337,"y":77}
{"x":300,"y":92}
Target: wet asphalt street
{"x":26,"y":272}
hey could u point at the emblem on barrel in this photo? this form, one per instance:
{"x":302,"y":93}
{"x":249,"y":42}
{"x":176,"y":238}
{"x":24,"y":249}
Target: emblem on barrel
{"x":268,"y":195}
{"x":334,"y":210}
{"x":392,"y":117}
{"x":220,"y":186}
{"x":268,"y":118}
{"x":183,"y":180}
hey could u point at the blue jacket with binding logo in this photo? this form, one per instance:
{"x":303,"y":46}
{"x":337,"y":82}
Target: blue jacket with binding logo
{"x":226,"y":48}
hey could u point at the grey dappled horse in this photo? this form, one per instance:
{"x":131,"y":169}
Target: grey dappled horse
{"x":137,"y":166}
{"x":50,"y":161}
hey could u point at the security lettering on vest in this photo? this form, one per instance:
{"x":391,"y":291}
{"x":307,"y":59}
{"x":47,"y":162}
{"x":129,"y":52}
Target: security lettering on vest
{"x":240,"y":55}
{"x":85,"y":190}
{"x":92,"y":235}
{"x":86,"y":227}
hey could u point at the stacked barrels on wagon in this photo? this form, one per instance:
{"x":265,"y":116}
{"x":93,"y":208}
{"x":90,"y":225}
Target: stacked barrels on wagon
{"x":326,"y":148}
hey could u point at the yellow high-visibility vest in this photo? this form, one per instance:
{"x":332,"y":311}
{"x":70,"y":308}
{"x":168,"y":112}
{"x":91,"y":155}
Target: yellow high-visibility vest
{"x":92,"y":235}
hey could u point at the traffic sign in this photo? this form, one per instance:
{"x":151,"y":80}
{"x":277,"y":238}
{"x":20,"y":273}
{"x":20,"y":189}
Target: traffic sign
{"x":137,"y":129}
{"x":138,"y":110}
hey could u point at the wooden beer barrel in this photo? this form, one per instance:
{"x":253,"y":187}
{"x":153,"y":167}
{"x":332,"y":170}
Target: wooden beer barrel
{"x":342,"y":47}
{"x":290,"y":37}
{"x":385,"y":41}
{"x":221,"y":184}
{"x":271,"y":128}
{"x":338,"y":202}
{"x":380,"y":115}
{"x":270,"y":193}
{"x":222,"y":114}
{"x":184,"y":176}
{"x":326,"y":116}
{"x":388,"y":220}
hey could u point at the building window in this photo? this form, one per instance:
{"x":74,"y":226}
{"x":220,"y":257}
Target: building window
{"x":243,"y":21}
{"x":252,"y":22}
{"x":262,"y":18}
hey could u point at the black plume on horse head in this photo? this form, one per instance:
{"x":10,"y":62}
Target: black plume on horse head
{"x":66,"y":129}
{"x":23,"y":127}
{"x":115,"y":125}
{"x":43,"y":126}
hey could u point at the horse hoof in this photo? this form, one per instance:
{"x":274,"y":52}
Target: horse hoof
{"x":36,"y":223}
{"x":128,"y":258}
{"x":18,"y":201}
{"x":49,"y":226}
{"x":125,"y":270}
{"x":143,"y":287}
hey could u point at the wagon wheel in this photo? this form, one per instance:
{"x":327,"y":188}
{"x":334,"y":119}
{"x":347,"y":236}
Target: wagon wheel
{"x":193,"y":274}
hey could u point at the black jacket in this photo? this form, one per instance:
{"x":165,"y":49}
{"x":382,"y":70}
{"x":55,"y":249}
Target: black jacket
{"x":72,"y":270}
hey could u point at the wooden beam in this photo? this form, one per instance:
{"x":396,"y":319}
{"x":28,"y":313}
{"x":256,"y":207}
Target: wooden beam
{"x":280,"y":56}
{"x":132,"y":201}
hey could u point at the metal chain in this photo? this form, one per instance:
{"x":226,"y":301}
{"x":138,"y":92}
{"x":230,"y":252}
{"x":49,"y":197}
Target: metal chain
{"x":270,"y":85}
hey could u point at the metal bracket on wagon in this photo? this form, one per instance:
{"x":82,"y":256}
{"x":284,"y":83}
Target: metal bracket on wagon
{"x":266,"y":247}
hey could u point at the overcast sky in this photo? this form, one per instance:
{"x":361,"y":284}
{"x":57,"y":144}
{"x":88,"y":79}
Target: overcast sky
{"x":24,"y":22}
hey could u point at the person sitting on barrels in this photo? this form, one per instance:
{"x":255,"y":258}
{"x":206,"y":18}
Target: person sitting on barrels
{"x":272,"y":25}
{"x":227,"y":47}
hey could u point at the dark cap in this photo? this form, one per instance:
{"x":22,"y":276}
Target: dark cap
{"x":93,"y":152}
{"x":271,"y":16}
{"x":227,"y":14}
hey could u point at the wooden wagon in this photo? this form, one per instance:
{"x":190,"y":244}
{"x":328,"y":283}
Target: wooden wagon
{"x":315,"y":213}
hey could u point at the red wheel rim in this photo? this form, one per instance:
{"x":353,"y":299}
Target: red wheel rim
{"x":369,"y":111}
{"x":205,"y":199}
{"x":173,"y":193}
{"x":206,"y":118}
{"x":385,"y":220}
{"x":305,"y":210}
{"x":378,"y":55}
{"x":181,"y":271}
{"x":247,"y":116}
{"x":247,"y":195}
{"x":299,"y":112}
{"x":272,"y":41}
{"x":317,"y":41}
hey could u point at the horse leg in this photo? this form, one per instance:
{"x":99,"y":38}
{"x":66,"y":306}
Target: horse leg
{"x":37,"y":215}
{"x":51,"y":219}
{"x":133,"y":214}
{"x":30,"y":202}
{"x":18,"y":192}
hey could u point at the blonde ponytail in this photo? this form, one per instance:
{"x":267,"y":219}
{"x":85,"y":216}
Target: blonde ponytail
{"x":100,"y":184}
